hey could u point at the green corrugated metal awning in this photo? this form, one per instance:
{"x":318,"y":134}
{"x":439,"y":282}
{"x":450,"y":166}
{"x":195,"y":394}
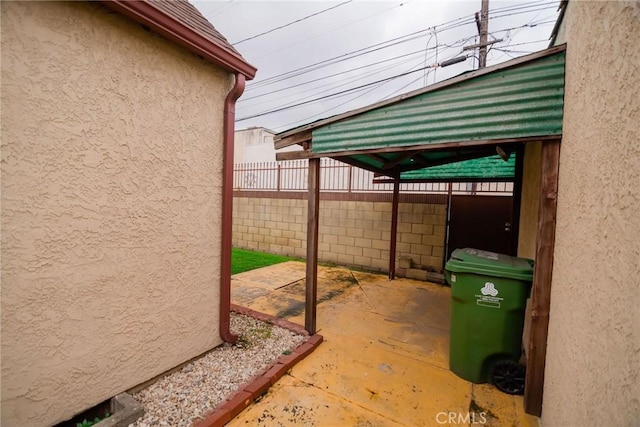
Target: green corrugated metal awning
{"x":518,"y":102}
{"x":461,"y":120}
{"x":484,"y":169}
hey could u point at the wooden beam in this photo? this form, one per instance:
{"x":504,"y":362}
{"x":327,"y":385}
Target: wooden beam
{"x":297,"y":138}
{"x":541,"y":291}
{"x":421,"y":164}
{"x":394,"y":229}
{"x":296,"y":155}
{"x":351,"y":161}
{"x":313,"y":219}
{"x":378,"y":158}
{"x":444,"y":146}
{"x":399,"y":159}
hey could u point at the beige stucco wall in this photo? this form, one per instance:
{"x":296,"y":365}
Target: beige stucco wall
{"x":354,"y":233}
{"x":111,"y":193}
{"x":593,"y":354}
{"x":530,"y":201}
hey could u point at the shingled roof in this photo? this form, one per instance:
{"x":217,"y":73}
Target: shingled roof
{"x":188,"y":14}
{"x":182,"y":22}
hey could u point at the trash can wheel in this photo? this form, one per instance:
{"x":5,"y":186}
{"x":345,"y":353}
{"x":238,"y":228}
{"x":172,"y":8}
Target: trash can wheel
{"x":508,"y":376}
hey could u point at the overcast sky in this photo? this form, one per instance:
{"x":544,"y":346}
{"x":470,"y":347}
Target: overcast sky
{"x":401,"y":32}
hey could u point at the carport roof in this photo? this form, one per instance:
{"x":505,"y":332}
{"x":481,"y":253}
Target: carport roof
{"x":446,"y":131}
{"x":491,"y":168}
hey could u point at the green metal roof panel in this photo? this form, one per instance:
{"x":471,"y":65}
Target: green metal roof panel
{"x":525,"y":100}
{"x":488,"y":168}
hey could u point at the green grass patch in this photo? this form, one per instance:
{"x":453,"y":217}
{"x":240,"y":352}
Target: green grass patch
{"x":245,"y":260}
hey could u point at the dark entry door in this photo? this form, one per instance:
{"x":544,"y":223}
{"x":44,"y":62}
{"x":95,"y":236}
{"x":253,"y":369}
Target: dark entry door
{"x":481,"y":222}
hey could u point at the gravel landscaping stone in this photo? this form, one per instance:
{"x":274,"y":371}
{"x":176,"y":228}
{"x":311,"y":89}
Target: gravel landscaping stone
{"x":193,"y":391}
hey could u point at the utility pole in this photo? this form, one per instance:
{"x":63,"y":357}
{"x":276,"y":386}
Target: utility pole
{"x":483,"y":30}
{"x":482,"y":22}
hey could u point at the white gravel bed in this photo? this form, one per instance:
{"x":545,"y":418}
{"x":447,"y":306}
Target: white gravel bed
{"x":193,"y":391}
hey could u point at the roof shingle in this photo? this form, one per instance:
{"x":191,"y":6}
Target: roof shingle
{"x":189,"y":15}
{"x":182,"y":22}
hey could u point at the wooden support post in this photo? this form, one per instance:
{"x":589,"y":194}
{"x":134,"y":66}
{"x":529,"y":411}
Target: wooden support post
{"x":394,"y":228}
{"x":541,"y":292}
{"x":313,"y":220}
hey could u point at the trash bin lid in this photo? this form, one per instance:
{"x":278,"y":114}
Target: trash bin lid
{"x":477,"y":261}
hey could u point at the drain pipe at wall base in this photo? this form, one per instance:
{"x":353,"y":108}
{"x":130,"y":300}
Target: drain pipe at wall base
{"x":227,"y":209}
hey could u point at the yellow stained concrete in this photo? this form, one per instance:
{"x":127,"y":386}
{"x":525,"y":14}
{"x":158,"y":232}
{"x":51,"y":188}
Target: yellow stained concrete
{"x":273,"y":277}
{"x":384,"y":360}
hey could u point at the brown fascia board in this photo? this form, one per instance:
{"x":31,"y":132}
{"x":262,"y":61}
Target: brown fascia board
{"x":148,"y":15}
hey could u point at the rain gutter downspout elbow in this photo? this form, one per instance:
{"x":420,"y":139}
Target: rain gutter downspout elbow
{"x":227,"y":208}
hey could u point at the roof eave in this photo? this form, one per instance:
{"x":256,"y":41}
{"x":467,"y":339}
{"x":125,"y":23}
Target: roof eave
{"x":147,"y":14}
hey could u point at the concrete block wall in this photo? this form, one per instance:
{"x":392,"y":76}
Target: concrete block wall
{"x":421,"y":234}
{"x":354,"y":233}
{"x":278,"y":226}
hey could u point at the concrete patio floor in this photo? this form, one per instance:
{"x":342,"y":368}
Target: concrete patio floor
{"x":384,"y":359}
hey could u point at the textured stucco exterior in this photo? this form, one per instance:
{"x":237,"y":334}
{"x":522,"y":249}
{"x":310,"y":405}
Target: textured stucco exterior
{"x":111,"y":195}
{"x":593,"y":356}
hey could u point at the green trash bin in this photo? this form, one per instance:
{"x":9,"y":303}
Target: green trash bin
{"x":488,"y":297}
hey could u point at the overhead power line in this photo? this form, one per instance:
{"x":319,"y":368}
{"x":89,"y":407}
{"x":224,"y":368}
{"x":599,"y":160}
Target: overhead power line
{"x":264,"y":113}
{"x":332,"y":86}
{"x":291,"y":23}
{"x":383,"y":45}
{"x":528,"y":25}
{"x":523,"y":43}
{"x":449,"y":61}
{"x":399,"y":90}
{"x":346,"y":91}
{"x":348,"y":95}
{"x":359,"y":52}
{"x":281,"y":48}
{"x":351,"y":70}
{"x":453,"y":44}
{"x":322,"y":113}
{"x":357,"y":88}
{"x":221,"y":8}
{"x":326,"y":62}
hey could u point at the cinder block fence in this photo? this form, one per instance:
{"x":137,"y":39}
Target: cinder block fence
{"x":352,"y":232}
{"x":270,"y":214}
